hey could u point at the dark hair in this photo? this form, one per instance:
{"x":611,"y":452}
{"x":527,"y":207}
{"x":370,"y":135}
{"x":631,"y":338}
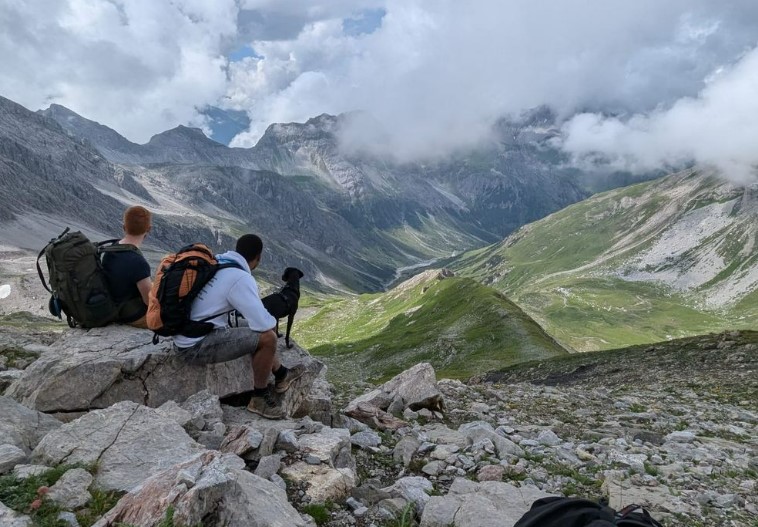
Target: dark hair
{"x":250,"y":246}
{"x":137,"y":220}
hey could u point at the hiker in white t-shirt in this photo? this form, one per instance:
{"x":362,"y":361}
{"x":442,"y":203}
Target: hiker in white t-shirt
{"x":231,"y":289}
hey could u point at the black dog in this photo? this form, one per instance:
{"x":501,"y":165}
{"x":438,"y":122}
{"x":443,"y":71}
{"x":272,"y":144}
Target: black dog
{"x":284,"y":302}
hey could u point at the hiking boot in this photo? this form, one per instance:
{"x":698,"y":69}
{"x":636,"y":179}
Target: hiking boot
{"x":293,"y":374}
{"x":265,"y":406}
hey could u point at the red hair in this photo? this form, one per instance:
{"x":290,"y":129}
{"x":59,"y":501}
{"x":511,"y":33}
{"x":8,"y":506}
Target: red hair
{"x":137,"y":220}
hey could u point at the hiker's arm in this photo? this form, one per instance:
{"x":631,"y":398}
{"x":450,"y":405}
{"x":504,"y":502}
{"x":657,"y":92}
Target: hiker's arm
{"x":243,"y":296}
{"x":144,"y":286}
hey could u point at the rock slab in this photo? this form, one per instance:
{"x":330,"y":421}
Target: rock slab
{"x":210,"y":489}
{"x":129,"y":442}
{"x":98,"y":368}
{"x":485,"y":504}
{"x":22,"y":427}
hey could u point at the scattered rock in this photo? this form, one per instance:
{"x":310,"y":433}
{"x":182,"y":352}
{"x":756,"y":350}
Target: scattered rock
{"x":480,"y":430}
{"x":415,"y":388}
{"x":366,"y":439}
{"x":70,"y":491}
{"x":321,"y":482}
{"x":10,"y":518}
{"x":413,"y":489}
{"x":69,"y":518}
{"x":491,"y":473}
{"x":684,"y":436}
{"x":548,"y":438}
{"x":26,"y":471}
{"x":268,"y":466}
{"x":241,"y":440}
{"x":318,"y":403}
{"x":8,"y":377}
{"x":405,"y":449}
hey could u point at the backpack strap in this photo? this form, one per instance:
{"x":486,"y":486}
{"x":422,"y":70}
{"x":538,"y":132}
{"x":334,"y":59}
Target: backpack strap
{"x":39,"y":270}
{"x":39,"y":256}
{"x":635,"y":516}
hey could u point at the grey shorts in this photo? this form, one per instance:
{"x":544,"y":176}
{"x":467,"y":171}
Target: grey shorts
{"x":221,"y":345}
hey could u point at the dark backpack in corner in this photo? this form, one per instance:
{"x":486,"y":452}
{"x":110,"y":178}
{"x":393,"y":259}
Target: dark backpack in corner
{"x":77,"y":281}
{"x":577,"y":512}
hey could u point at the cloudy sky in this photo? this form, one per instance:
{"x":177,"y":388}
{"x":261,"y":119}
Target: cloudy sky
{"x":639,"y":84}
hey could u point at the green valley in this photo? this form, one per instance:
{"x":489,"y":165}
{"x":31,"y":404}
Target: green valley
{"x":460,"y":326}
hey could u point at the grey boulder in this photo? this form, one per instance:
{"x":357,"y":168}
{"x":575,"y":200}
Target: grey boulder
{"x":10,"y":518}
{"x":70,"y":491}
{"x":485,"y":504}
{"x":95,"y":369}
{"x":210,"y":489}
{"x":22,"y":427}
{"x":10,"y":456}
{"x":415,"y":388}
{"x":129,"y":442}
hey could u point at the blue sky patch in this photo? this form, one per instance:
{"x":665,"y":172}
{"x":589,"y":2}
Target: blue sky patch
{"x":367,"y":21}
{"x":242,"y":53}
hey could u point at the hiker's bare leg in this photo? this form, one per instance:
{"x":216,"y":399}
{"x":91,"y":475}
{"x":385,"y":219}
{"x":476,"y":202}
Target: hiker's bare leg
{"x":264,"y":358}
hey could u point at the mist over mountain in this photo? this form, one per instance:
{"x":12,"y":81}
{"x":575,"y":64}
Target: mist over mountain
{"x":350,"y":220}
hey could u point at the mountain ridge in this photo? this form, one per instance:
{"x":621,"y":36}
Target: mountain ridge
{"x":668,"y":257}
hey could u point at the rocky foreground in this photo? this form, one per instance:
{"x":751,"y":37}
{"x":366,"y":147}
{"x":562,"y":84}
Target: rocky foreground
{"x":671,"y":427}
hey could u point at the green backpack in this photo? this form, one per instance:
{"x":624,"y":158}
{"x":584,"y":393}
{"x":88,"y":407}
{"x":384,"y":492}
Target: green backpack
{"x":77,"y":281}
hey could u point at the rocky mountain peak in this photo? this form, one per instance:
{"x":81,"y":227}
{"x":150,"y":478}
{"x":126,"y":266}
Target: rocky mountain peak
{"x":181,"y":136}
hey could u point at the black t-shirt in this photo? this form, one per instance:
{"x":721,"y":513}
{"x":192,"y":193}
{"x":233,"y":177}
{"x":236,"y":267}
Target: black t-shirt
{"x":123,"y":270}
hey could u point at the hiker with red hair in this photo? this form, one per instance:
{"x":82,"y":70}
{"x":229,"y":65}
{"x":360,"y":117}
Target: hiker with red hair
{"x":127,"y":271}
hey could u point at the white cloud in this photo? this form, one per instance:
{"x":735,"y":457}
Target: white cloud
{"x":139,"y":66}
{"x":436,"y":75}
{"x":433,"y":75}
{"x":718,"y":127}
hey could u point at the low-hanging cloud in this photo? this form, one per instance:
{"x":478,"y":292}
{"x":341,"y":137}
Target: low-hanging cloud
{"x":432,"y":76}
{"x":717,"y":128}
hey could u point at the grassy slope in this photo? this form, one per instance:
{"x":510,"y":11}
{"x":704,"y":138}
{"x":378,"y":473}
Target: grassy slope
{"x":540,"y":268}
{"x":460,"y":326}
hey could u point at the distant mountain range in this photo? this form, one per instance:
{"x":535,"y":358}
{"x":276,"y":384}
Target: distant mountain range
{"x":349,"y":220}
{"x":664,"y":259}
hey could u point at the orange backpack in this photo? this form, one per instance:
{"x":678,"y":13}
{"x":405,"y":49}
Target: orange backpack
{"x":178,"y":280}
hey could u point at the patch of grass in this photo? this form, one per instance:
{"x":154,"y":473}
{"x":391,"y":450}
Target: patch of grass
{"x":406,"y":519}
{"x":101,"y":503}
{"x":16,"y":356}
{"x":637,"y":408}
{"x":651,"y":470}
{"x":23,"y":495}
{"x":318,"y":511}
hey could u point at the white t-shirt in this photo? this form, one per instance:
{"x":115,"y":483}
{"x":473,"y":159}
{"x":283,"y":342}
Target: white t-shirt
{"x":228,"y":290}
